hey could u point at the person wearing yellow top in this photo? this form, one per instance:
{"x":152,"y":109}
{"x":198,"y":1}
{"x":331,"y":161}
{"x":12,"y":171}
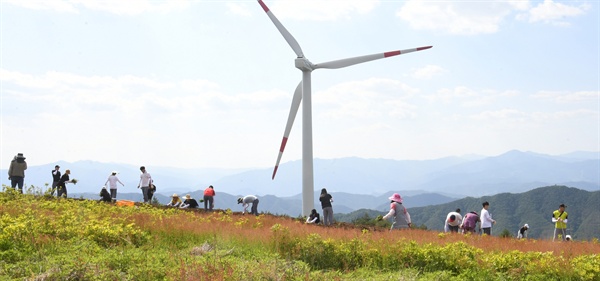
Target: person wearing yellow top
{"x":559,"y":217}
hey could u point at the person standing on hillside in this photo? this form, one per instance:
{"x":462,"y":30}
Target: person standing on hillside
{"x":326,"y":200}
{"x":398,"y":212}
{"x":145,"y":183}
{"x":560,"y":218}
{"x":61,"y":186}
{"x":246,"y":200}
{"x":522,"y":233}
{"x":16,"y":171}
{"x":486,"y":219}
{"x":453,"y":221}
{"x":55,"y":179}
{"x":112,"y":181}
{"x":470,"y":222}
{"x":209,"y":194}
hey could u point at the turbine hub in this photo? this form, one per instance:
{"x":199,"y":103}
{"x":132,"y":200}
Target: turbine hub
{"x":304,"y":64}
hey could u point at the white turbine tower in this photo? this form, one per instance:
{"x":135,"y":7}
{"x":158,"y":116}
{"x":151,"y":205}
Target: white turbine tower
{"x":303,"y":93}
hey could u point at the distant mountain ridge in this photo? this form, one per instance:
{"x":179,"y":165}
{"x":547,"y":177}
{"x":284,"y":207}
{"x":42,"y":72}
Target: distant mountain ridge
{"x":454,"y":177}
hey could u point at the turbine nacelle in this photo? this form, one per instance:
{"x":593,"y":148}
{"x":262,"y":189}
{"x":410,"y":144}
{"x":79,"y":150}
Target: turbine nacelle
{"x":304,"y":64}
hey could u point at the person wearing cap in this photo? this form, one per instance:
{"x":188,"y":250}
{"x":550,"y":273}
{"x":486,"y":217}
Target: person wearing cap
{"x":560,"y":218}
{"x":398,"y":212}
{"x":246,"y":200}
{"x":16,"y":171}
{"x":486,"y":219}
{"x":568,"y":238}
{"x":112,"y":181}
{"x":145,"y":183}
{"x":175,"y":201}
{"x":522,"y":233}
{"x":453,"y":221}
{"x":326,"y":199}
{"x":470,"y":222}
{"x":104,"y":195}
{"x":189,"y":203}
{"x":55,"y":179}
{"x":209,"y":194}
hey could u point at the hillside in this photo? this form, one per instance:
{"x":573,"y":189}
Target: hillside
{"x":44,"y":238}
{"x":512,"y":210}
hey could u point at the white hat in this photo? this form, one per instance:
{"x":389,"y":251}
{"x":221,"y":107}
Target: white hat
{"x":175,"y":195}
{"x":526,"y":226}
{"x":568,"y":237}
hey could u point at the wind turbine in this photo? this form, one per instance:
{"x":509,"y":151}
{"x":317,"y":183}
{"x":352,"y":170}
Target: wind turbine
{"x":303,"y":92}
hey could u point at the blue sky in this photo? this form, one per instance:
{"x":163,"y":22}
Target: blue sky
{"x":209,"y":83}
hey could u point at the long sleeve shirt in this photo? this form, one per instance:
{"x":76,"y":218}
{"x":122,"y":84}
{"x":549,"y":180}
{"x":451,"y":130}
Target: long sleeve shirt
{"x":247,"y":200}
{"x":486,"y":219}
{"x":112,"y":181}
{"x":400,"y":215}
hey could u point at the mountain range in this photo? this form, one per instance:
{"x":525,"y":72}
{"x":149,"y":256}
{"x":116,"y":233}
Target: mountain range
{"x":512,"y":210}
{"x":454,"y":177}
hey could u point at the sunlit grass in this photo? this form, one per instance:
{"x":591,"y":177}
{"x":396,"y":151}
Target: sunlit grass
{"x":57,"y":239}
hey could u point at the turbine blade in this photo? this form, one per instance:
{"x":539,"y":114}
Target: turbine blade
{"x":356,"y":60}
{"x":288,"y":126}
{"x":286,"y":34}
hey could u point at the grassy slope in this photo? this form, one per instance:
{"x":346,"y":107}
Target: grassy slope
{"x":48,"y":239}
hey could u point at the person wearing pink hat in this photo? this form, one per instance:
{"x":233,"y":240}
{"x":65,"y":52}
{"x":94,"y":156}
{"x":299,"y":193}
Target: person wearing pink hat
{"x":399,"y":213}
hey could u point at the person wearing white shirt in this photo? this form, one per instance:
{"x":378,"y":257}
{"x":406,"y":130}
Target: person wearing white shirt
{"x":246,"y":200}
{"x":112,"y":181}
{"x":145,"y":182}
{"x":453,"y":221}
{"x":486,"y":219}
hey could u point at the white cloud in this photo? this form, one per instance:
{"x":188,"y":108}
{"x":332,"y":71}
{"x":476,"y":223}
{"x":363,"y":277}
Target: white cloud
{"x":555,"y":13}
{"x":456,"y":17}
{"x":129,"y":7}
{"x":368,"y":99}
{"x":568,"y":97}
{"x":428,"y":71}
{"x":321,"y":10}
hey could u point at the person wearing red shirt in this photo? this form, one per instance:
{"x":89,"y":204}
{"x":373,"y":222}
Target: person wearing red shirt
{"x":209,"y":194}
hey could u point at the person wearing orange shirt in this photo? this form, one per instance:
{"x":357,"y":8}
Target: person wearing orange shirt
{"x":209,"y":194}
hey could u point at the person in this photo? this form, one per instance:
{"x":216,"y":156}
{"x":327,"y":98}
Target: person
{"x":104,"y":195}
{"x":568,"y":238}
{"x":486,"y":219}
{"x":16,"y":171}
{"x":398,"y":212}
{"x":175,"y":201}
{"x":145,"y":183}
{"x":453,"y":221}
{"x":55,"y":179}
{"x":151,"y":191}
{"x":209,"y":194}
{"x":246,"y":200}
{"x":326,"y":200}
{"x":112,"y":181}
{"x":313,"y":217}
{"x":62,"y":184}
{"x":560,"y":218}
{"x":522,"y":233}
{"x":189,"y":203}
{"x":470,"y":222}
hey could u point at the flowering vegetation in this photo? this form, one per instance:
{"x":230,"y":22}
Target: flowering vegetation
{"x":45,"y":238}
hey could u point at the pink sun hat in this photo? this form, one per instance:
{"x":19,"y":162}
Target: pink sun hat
{"x":396,"y":197}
